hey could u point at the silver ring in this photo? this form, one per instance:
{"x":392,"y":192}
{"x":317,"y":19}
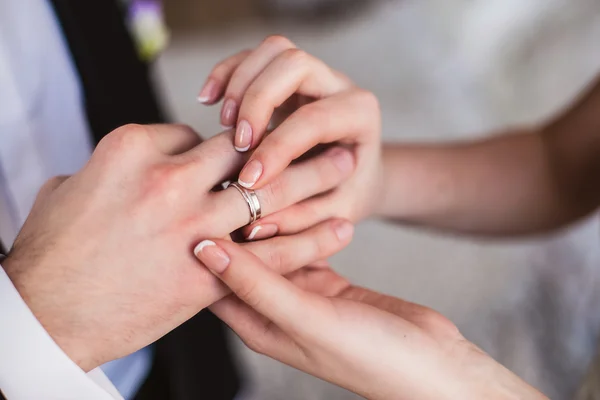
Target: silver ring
{"x":251,"y":199}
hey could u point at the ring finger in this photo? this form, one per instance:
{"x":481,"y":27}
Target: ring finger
{"x":298,"y":182}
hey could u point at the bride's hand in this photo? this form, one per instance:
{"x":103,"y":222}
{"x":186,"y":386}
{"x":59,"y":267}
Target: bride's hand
{"x":276,"y":80}
{"x":377,"y":346}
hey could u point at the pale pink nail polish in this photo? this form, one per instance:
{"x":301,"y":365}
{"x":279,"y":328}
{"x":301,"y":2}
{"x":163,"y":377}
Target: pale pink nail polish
{"x":250,"y":174}
{"x":208,"y":92}
{"x":229,"y":113}
{"x":212,"y":256}
{"x":260,"y":232}
{"x":243,"y":136}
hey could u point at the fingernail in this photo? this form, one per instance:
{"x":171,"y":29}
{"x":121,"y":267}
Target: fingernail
{"x":207,"y":93}
{"x":212,"y":256}
{"x":229,"y":113}
{"x":343,"y":230}
{"x":243,"y":136}
{"x":250,"y":174}
{"x":260,"y":232}
{"x":342,"y":158}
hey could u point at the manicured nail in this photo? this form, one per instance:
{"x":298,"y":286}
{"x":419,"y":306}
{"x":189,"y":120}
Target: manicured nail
{"x":250,"y":174}
{"x":208,"y":92}
{"x":212,"y":256}
{"x":260,"y":232}
{"x":342,"y":158}
{"x":343,"y":230}
{"x":229,"y":113}
{"x":243,"y":136}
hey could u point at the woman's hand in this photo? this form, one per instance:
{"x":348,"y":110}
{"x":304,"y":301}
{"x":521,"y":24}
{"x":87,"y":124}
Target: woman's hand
{"x":104,"y":260}
{"x":377,"y":346}
{"x":325,"y":107}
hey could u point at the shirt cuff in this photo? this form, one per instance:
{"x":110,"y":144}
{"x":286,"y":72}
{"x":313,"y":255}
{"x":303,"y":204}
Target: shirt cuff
{"x":32,"y":365}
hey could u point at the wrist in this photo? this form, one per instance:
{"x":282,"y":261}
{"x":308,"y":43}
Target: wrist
{"x":484,"y":377}
{"x":24,"y":279}
{"x":384,"y":186}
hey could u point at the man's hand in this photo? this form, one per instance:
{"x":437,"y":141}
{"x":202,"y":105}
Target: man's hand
{"x":105,"y":260}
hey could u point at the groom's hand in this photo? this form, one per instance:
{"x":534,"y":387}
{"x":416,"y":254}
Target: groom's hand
{"x":105,"y":259}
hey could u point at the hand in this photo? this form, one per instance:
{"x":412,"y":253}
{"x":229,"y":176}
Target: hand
{"x":329,"y":108}
{"x":105,"y":260}
{"x":377,"y":346}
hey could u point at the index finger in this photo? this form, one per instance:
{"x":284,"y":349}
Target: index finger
{"x":351,"y":117}
{"x":291,"y":72}
{"x":270,"y":294}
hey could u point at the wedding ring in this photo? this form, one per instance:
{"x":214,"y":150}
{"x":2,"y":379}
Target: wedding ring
{"x":251,"y":199}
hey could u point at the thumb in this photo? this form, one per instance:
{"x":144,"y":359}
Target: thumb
{"x":254,"y":283}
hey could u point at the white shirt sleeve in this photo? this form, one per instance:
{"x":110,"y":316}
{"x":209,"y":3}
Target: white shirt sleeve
{"x":32,"y":365}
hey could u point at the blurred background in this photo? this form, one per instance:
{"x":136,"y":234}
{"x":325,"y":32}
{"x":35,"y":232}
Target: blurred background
{"x":443,"y":70}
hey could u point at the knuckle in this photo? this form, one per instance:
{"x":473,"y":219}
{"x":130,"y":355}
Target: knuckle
{"x":276,"y":259}
{"x":253,"y":97}
{"x":126,"y":139}
{"x":240,"y":86}
{"x":272,"y":194}
{"x":295,"y":57}
{"x":220,"y":71}
{"x":368,"y":99}
{"x":185,"y":128}
{"x":369,"y":105}
{"x":306,"y":216}
{"x":256,"y":344}
{"x":313,"y":113}
{"x":249,"y":293}
{"x":278,"y":41}
{"x":164,"y":182}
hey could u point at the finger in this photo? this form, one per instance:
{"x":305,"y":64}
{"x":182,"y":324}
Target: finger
{"x":322,"y":281}
{"x":298,"y":182}
{"x":219,"y":77}
{"x":293,"y":219}
{"x":211,"y":163}
{"x":285,"y":254}
{"x":255,"y":330}
{"x":320,"y":264}
{"x":293,"y":71}
{"x":248,"y":70}
{"x":172,"y":139}
{"x":263,"y":290}
{"x":349,"y":116}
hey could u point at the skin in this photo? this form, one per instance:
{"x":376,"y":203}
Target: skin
{"x":526,"y":181}
{"x":105,"y":260}
{"x":270,"y":83}
{"x":377,"y":346}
